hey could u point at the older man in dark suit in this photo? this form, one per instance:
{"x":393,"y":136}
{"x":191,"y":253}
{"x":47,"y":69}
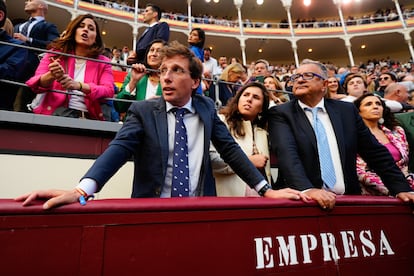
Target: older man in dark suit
{"x":169,"y":138}
{"x":155,"y":30}
{"x":36,"y":32}
{"x":324,"y":169}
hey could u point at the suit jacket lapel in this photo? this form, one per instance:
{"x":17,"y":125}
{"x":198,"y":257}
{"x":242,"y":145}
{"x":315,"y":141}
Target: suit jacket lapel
{"x":303,"y":123}
{"x":338,"y":128}
{"x":161,"y":125}
{"x":205,"y":118}
{"x":144,"y":33}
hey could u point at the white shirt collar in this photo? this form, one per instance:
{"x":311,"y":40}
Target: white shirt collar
{"x":321,"y":104}
{"x":39,"y":18}
{"x":188,"y":106}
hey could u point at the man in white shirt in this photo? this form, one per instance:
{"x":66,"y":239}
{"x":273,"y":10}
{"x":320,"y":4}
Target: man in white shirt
{"x":210,"y":64}
{"x":294,"y":138}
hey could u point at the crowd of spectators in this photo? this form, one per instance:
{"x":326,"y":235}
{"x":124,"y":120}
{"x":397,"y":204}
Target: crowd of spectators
{"x":247,"y":98}
{"x":381,"y":15}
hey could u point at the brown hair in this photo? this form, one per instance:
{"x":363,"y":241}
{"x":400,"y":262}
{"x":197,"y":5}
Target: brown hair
{"x":354,"y":75}
{"x":177,"y":49}
{"x":234,"y":118}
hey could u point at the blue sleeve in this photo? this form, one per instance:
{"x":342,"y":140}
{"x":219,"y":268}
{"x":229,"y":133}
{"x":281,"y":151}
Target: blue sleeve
{"x":13,"y":60}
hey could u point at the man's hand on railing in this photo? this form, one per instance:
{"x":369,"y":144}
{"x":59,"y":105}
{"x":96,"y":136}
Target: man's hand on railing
{"x":55,"y":197}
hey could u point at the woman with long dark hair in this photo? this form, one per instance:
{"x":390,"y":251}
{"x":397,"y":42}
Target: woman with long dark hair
{"x":89,"y":81}
{"x":196,"y":40}
{"x":245,"y":117}
{"x":382,"y":124}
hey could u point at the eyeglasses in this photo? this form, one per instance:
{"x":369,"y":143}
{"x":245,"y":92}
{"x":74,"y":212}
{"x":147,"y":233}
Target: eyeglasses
{"x":384,"y":78}
{"x":175,"y":71}
{"x":305,"y":76}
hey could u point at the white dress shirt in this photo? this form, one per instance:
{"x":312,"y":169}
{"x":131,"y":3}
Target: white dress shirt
{"x":339,"y":187}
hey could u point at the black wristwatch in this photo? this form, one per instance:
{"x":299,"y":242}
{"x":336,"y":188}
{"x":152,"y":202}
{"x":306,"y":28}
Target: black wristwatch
{"x":264,"y":189}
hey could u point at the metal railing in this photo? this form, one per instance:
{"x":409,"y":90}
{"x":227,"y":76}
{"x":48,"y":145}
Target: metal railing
{"x":215,"y":80}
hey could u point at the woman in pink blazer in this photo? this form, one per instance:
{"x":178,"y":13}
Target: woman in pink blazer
{"x":88,"y":82}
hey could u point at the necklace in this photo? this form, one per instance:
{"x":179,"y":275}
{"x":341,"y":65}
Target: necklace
{"x":79,"y":63}
{"x":80,"y":66}
{"x":154,"y":79}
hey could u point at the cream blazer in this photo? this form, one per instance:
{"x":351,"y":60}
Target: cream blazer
{"x":227,"y":182}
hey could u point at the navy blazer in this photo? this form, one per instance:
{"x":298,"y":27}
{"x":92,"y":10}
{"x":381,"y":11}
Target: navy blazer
{"x":161,"y":30}
{"x":294,"y":142}
{"x":144,"y":136}
{"x":42,"y":34}
{"x":12,"y":67}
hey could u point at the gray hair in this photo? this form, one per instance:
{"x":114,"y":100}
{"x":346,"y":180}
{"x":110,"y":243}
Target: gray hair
{"x":320,"y":65}
{"x":265,"y":62}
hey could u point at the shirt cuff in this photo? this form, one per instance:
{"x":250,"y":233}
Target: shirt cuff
{"x":260,"y":185}
{"x":88,"y":185}
{"x":130,"y":92}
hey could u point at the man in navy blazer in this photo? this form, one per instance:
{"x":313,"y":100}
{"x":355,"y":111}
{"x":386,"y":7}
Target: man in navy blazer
{"x":38,"y":33}
{"x":294,"y":142}
{"x":156,"y":30}
{"x":148,"y":136}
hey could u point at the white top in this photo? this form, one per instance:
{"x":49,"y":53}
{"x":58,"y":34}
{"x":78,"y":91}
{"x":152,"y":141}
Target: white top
{"x":75,"y":101}
{"x":151,"y":90}
{"x":211,"y":66}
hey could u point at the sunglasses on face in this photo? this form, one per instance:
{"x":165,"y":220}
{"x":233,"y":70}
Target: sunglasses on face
{"x":384,"y":78}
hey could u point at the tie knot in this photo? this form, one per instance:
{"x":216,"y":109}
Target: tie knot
{"x":180,"y":112}
{"x":314,"y":110}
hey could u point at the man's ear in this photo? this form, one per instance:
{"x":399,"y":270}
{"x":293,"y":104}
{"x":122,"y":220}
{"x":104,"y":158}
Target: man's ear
{"x":2,"y":16}
{"x":196,"y":83}
{"x":325,"y":86}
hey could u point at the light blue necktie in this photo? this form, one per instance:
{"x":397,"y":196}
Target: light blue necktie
{"x":325,"y":158}
{"x":180,"y":185}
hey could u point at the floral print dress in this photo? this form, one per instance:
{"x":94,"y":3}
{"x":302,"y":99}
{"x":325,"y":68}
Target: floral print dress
{"x":371,"y":183}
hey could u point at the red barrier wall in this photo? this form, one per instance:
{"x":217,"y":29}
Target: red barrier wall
{"x":208,"y":236}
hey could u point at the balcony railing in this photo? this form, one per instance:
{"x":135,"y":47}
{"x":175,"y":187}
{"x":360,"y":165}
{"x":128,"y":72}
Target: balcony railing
{"x":325,"y":27}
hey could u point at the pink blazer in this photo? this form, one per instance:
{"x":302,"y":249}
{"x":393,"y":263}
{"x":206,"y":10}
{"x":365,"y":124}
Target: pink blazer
{"x":97,"y":75}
